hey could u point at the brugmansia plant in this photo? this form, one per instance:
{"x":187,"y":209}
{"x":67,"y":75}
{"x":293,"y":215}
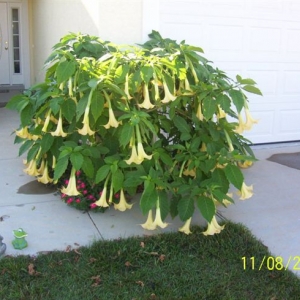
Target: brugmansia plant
{"x":156,"y":118}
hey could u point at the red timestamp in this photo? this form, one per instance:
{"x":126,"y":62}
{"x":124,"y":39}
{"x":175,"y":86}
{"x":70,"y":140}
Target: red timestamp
{"x":271,"y":263}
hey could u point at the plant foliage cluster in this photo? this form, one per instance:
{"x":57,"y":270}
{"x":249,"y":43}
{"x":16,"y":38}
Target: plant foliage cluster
{"x":157,"y":115}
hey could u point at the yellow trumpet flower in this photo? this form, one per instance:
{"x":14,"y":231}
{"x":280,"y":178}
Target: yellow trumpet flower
{"x":199,"y":113}
{"x":126,"y":88}
{"x":23,"y":133}
{"x":45,"y":176}
{"x":241,"y":127}
{"x":186,"y":227}
{"x":149,"y":224}
{"x":221,"y":113}
{"x":249,"y":120}
{"x":47,"y":120}
{"x":168,"y":96}
{"x":71,"y":189}
{"x":158,"y":221}
{"x":213,"y":227}
{"x":134,"y":157}
{"x":246,"y":164}
{"x":42,"y":167}
{"x":32,"y":169}
{"x":112,"y":121}
{"x":102,"y":200}
{"x":59,"y":130}
{"x":146,"y":103}
{"x":246,"y":192}
{"x":122,"y":205}
{"x":86,"y":130}
{"x":141,"y":152}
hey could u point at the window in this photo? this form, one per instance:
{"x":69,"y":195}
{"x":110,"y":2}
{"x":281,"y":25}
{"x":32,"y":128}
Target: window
{"x":16,"y":40}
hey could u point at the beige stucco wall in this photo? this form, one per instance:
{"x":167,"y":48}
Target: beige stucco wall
{"x":119,"y":21}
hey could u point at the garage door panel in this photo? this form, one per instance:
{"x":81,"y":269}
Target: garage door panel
{"x":288,"y":127}
{"x":259,"y":39}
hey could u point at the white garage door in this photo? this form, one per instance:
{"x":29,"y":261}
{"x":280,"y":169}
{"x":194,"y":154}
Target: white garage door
{"x":259,"y":39}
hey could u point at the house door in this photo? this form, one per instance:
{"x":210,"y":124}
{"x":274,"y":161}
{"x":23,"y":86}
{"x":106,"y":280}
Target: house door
{"x":4,"y":46}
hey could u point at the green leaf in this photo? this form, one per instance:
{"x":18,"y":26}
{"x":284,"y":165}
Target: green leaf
{"x":244,"y":80}
{"x":25,"y":146}
{"x":163,"y":203}
{"x":65,"y":70}
{"x":126,"y":134}
{"x":81,"y":105}
{"x":33,"y":152}
{"x":76,"y":160}
{"x":220,"y":179}
{"x":206,"y":207}
{"x":148,"y":198}
{"x":46,"y":142}
{"x":17,"y":102}
{"x":55,"y":104}
{"x":88,"y":167}
{"x":181,"y":124}
{"x":97,"y":104}
{"x":252,"y":89}
{"x":186,"y":208}
{"x":26,"y":115}
{"x":209,"y":107}
{"x":146,"y":73}
{"x":224,"y":101}
{"x":68,"y":109}
{"x":117,"y":180}
{"x":102,"y":173}
{"x":234,"y":175}
{"x":238,"y":99}
{"x":61,"y":167}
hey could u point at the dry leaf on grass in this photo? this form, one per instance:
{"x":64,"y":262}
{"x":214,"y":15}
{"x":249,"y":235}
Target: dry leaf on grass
{"x":141,"y":283}
{"x":97,"y":280}
{"x":32,"y":271}
{"x":128,"y":264}
{"x":142,"y":244}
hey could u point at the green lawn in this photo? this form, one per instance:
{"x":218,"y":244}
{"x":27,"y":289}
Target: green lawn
{"x":166,"y":266}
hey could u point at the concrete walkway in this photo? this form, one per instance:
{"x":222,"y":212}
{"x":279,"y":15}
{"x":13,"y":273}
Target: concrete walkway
{"x":272,"y":214}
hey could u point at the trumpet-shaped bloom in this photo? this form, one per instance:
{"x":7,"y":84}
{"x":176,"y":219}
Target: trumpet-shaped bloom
{"x":146,"y":103}
{"x":42,"y":167}
{"x":59,"y":130}
{"x":199,"y":113}
{"x":186,"y":227}
{"x":134,"y":157}
{"x":249,"y":120}
{"x":112,"y":121}
{"x":102,"y":200}
{"x":45,"y":176}
{"x":158,"y":221}
{"x":141,"y":152}
{"x":241,"y":127}
{"x":47,"y":120}
{"x":213,"y":227}
{"x":126,"y":88}
{"x":246,"y":192}
{"x":221,"y":113}
{"x":168,"y":96}
{"x":122,"y":205}
{"x":23,"y":133}
{"x":32,"y":169}
{"x":246,"y":164}
{"x":149,"y":224}
{"x":86,"y":130}
{"x":71,"y":189}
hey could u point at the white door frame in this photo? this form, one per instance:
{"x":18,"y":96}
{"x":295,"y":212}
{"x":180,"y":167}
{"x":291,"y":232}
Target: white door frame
{"x":24,"y":77}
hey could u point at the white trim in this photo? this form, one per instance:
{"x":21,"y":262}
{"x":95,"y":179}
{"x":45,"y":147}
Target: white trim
{"x":150,"y":17}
